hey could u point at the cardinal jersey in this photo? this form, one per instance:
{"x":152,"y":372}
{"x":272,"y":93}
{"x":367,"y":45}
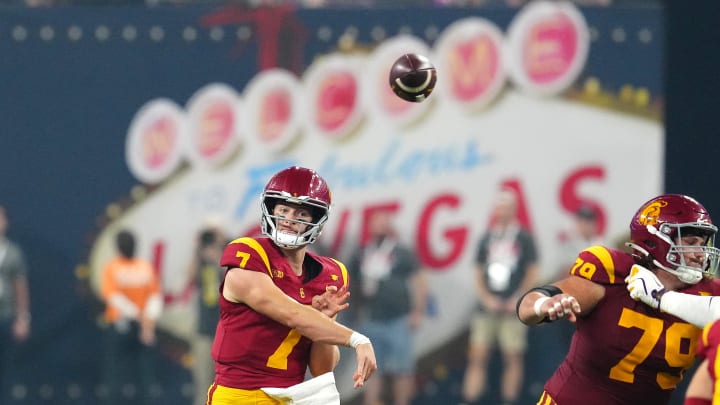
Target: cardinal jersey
{"x":623,"y":352}
{"x":251,"y":350}
{"x":708,"y":349}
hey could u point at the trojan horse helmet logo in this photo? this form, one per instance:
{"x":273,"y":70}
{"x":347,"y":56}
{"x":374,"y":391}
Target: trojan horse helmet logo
{"x":649,"y":215}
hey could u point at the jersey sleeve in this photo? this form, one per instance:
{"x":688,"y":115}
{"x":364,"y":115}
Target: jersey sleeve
{"x":248,"y":254}
{"x":602,"y":265}
{"x":344,"y":277}
{"x":714,"y":288}
{"x":710,"y":339}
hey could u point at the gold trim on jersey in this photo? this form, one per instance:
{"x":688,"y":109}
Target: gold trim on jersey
{"x":606,"y":259}
{"x":343,"y":270}
{"x":716,"y":382}
{"x":706,"y":332}
{"x":257,"y":247}
{"x":546,"y":399}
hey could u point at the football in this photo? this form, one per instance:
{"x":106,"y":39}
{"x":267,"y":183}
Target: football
{"x":413,"y":77}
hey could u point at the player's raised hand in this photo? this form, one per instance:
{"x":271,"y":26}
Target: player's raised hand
{"x":558,"y":307}
{"x":366,"y":364}
{"x":643,"y":285}
{"x":332,"y":301}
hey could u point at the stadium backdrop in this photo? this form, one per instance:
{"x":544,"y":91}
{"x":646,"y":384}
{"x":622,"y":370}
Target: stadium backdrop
{"x":162,"y":119}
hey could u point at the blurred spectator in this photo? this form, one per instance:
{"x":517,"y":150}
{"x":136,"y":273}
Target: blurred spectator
{"x":133,"y":300}
{"x":206,"y":274}
{"x":506,"y":266}
{"x":583,"y":234}
{"x":390,"y":294}
{"x":14,"y":297}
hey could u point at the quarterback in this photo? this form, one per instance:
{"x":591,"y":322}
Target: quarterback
{"x":278,"y":301}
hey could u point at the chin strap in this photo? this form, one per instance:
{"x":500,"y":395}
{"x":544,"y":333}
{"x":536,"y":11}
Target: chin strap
{"x":288,"y":241}
{"x":687,"y":276}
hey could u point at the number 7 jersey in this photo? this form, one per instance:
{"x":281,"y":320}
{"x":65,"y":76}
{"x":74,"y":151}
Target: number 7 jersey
{"x":250,"y":350}
{"x":624,"y":352}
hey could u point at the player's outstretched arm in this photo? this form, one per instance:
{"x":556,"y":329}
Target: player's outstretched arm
{"x":566,"y":299}
{"x":643,"y":285}
{"x":538,"y":306}
{"x":366,"y":363}
{"x":257,"y":290}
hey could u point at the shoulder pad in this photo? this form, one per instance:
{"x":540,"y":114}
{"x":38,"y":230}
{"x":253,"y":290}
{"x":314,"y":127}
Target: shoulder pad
{"x":246,"y":253}
{"x":602,"y":265}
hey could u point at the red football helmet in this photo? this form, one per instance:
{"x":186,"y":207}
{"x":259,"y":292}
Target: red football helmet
{"x":296,"y":185}
{"x":657,"y":229}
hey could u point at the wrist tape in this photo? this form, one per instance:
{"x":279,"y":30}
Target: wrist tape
{"x":548,"y":290}
{"x":538,"y":304}
{"x":357,"y":339}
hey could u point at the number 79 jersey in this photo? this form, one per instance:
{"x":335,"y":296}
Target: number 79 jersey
{"x":250,"y":350}
{"x":624,"y":352}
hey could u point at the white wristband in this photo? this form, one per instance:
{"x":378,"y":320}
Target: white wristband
{"x":538,"y":304}
{"x":357,"y":339}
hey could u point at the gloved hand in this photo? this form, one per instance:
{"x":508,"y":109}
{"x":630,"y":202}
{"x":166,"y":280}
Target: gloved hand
{"x":644,"y":286}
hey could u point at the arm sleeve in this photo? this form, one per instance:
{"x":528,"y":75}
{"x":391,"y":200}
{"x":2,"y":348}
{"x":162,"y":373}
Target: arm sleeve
{"x":699,"y":310}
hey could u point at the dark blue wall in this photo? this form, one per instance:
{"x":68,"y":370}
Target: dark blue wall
{"x":693,"y":90}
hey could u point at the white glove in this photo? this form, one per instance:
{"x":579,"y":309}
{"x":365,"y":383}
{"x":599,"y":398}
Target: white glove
{"x":644,"y":286}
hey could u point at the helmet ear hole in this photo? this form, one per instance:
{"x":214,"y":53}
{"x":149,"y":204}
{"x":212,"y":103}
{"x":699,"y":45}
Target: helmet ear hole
{"x":646,"y":261}
{"x":317,"y":213}
{"x":270,"y":203}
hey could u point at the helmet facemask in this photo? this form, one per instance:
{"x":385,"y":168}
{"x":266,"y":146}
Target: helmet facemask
{"x":675,"y":262}
{"x":285,"y":239}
